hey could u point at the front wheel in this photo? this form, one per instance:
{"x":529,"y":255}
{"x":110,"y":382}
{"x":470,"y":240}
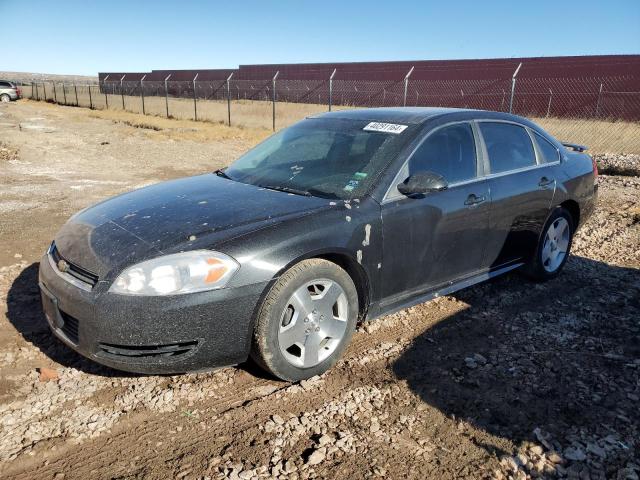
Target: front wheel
{"x":553,"y":247}
{"x":306,"y":320}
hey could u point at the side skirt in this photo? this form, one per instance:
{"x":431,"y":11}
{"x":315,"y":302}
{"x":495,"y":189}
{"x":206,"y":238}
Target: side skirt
{"x":388,"y":308}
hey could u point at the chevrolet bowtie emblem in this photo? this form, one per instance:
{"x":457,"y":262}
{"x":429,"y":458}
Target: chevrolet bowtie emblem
{"x":63,"y":266}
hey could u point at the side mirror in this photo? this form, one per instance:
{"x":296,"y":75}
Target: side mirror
{"x":421,"y":183}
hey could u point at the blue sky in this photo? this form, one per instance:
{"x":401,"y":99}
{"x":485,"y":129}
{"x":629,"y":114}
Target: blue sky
{"x":84,"y":37}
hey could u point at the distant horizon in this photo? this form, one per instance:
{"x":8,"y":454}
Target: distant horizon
{"x":87,"y":38}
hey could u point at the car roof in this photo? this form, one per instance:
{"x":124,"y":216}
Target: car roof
{"x":412,"y":115}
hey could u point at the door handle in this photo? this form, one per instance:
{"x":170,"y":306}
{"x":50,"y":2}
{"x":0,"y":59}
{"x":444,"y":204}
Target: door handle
{"x":545,"y":182}
{"x":473,"y":199}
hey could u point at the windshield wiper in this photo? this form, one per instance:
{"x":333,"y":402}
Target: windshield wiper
{"x":220,"y":172}
{"x":282,"y":188}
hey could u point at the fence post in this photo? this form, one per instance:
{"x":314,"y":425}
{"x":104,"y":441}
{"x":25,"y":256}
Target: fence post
{"x":90,"y":98}
{"x":274,"y":99}
{"x":195,"y":103}
{"x":598,"y":101}
{"x":104,"y":87}
{"x":513,"y":87}
{"x":64,"y":91}
{"x":142,"y":93}
{"x":55,"y":95}
{"x":166,"y":95}
{"x":406,"y":86}
{"x":331,"y":87}
{"x":75,"y":88}
{"x":122,"y":90}
{"x":36,"y":87}
{"x":44,"y":89}
{"x":229,"y":97}
{"x":549,"y":106}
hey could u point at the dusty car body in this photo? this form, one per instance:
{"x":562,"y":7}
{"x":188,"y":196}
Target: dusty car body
{"x":407,"y":237}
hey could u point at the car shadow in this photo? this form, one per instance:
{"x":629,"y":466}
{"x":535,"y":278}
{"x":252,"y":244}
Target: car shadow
{"x":524,"y":360}
{"x":24,"y":311}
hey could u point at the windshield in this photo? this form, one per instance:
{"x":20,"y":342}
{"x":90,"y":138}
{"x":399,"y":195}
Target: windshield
{"x":331,"y":158}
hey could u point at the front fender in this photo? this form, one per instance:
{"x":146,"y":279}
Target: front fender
{"x":351,"y":229}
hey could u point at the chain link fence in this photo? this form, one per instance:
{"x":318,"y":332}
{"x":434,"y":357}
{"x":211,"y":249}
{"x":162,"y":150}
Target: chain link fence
{"x":593,"y":111}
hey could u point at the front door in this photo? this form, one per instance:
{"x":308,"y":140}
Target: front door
{"x":441,"y":236}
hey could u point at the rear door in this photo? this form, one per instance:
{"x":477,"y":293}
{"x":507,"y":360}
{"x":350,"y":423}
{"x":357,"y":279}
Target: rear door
{"x":522,"y":186}
{"x":440,"y":236}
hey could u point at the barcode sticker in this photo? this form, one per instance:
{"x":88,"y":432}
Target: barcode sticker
{"x":385,"y":127}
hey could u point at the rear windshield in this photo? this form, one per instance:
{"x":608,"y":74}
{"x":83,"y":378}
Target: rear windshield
{"x":331,"y":158}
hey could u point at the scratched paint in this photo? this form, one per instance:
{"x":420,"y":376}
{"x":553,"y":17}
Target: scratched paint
{"x":367,"y":235}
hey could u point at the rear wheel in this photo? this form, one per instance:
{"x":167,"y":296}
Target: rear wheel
{"x":306,"y":320}
{"x":4,"y":98}
{"x":554,"y":246}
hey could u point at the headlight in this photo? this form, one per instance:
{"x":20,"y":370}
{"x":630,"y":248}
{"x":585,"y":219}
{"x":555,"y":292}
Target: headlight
{"x":185,"y":272}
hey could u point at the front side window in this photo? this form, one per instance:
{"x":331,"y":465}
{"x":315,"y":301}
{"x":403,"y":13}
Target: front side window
{"x":331,"y":158}
{"x":449,"y":151}
{"x":549,"y":152}
{"x":509,"y":146}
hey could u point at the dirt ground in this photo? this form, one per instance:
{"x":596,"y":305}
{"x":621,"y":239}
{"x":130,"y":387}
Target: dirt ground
{"x":508,"y":379}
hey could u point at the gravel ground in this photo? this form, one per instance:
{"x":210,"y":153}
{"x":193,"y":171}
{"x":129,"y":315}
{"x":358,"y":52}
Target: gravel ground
{"x":618,"y":164}
{"x":508,"y":379}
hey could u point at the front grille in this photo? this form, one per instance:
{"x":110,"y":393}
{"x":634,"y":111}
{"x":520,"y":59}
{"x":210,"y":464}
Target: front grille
{"x":75,"y":271}
{"x":148,"y":351}
{"x":70,"y":327}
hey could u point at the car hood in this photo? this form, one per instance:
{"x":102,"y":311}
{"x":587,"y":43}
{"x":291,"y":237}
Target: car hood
{"x":193,"y":212}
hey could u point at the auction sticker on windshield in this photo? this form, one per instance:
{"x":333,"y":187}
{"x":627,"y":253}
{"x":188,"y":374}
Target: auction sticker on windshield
{"x":385,"y":127}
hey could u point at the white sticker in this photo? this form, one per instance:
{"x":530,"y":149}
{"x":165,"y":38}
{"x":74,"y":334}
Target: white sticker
{"x":385,"y":127}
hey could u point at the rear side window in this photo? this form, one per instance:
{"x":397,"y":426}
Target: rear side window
{"x":509,"y":146}
{"x":5,"y":84}
{"x":450,"y":152}
{"x":549,"y":152}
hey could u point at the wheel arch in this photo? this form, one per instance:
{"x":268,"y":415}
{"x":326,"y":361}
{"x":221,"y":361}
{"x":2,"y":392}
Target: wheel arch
{"x":344,"y":260}
{"x":357,"y":274}
{"x":573,"y":208}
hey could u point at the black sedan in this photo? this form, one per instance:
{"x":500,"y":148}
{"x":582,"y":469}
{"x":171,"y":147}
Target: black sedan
{"x":342,"y":217}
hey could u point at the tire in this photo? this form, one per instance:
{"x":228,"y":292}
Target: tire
{"x":4,"y":98}
{"x":554,"y":246}
{"x":293,"y":345}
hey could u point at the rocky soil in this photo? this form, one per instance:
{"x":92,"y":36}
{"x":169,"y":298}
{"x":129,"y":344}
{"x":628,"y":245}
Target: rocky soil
{"x":618,"y":164}
{"x":508,"y":379}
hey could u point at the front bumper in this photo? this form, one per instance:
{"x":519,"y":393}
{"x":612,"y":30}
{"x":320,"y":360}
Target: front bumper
{"x":173,"y":334}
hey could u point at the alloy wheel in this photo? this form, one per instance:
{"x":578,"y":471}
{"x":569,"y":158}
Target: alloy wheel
{"x":313,"y":323}
{"x":556,"y":244}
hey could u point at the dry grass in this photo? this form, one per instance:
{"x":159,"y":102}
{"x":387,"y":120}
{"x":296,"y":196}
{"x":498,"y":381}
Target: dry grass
{"x":178,"y":129}
{"x":601,"y":136}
